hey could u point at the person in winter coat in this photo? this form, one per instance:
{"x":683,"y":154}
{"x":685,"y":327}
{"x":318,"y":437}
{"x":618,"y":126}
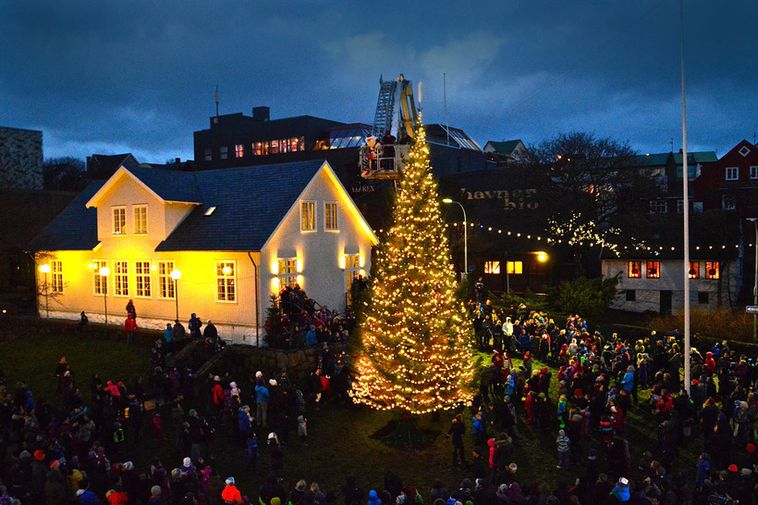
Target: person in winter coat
{"x":231,"y":495}
{"x":563,"y":444}
{"x":373,"y":498}
{"x":130,"y":328}
{"x":302,"y":429}
{"x":478,"y":430}
{"x":245,"y":423}
{"x":455,"y":432}
{"x":194,"y":325}
{"x":621,"y":492}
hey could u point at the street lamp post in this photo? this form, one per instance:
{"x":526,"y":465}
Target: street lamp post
{"x":176,"y":274}
{"x":448,"y":201}
{"x":104,"y":273}
{"x":45,"y":269}
{"x":754,"y":220}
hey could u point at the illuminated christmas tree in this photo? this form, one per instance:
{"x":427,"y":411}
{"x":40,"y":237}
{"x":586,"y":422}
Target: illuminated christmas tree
{"x":415,"y":354}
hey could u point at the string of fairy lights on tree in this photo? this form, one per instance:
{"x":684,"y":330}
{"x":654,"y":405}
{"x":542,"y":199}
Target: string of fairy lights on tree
{"x":415,"y":355}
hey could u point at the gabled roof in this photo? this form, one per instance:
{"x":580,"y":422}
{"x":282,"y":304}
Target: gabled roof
{"x":250,"y":203}
{"x":74,"y":229}
{"x":505,"y":147}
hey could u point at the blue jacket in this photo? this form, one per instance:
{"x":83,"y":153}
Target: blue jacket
{"x":244,"y":422}
{"x":627,"y":383}
{"x":261,"y":394}
{"x":168,"y":335}
{"x":88,"y":498}
{"x":373,"y":498}
{"x":621,"y":493}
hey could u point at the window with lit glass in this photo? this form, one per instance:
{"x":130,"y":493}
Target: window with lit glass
{"x":653,"y":269}
{"x":99,"y":281}
{"x":694,"y":271}
{"x":330,"y":216}
{"x":287,"y":272}
{"x":307,"y":216}
{"x":239,"y":151}
{"x":119,"y":220}
{"x":634,"y":269}
{"x":260,"y":148}
{"x":226,"y":281}
{"x":514,"y":267}
{"x":142,"y":277}
{"x":56,"y":276}
{"x":712,"y":270}
{"x":121,"y":278}
{"x":492,"y":267}
{"x":352,"y":270}
{"x":274,"y":149}
{"x":165,"y":282}
{"x":140,"y":219}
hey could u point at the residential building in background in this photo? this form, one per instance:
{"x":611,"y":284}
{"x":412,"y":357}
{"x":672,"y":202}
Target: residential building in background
{"x":20,"y":159}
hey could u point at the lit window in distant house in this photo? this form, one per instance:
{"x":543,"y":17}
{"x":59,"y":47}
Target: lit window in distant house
{"x":658,"y":206}
{"x":239,"y":151}
{"x":514,"y":267}
{"x":634,"y":269}
{"x":274,"y":147}
{"x":297,"y":143}
{"x":288,"y":271}
{"x":754,"y":172}
{"x":226,"y":281}
{"x":260,"y":148}
{"x":119,"y":220}
{"x":653,"y":269}
{"x":712,"y":270}
{"x":330,"y":216}
{"x":223,"y":152}
{"x":284,"y":145}
{"x":728,"y":202}
{"x":491,"y":267}
{"x":121,"y":279}
{"x":208,"y":154}
{"x":99,"y":281}
{"x":56,"y":276}
{"x":694,"y":270}
{"x":307,"y":216}
{"x":140,"y":219}
{"x":142,"y":277}
{"x":165,"y":282}
{"x":732,"y":173}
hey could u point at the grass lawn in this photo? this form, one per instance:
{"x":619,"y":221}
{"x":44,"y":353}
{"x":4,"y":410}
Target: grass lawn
{"x":340,"y":440}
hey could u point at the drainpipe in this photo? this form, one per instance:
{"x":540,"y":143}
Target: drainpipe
{"x":257,"y":301}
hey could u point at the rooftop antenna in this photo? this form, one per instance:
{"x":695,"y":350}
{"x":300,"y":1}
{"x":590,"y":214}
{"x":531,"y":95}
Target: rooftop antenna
{"x":217,"y":99}
{"x":444,"y":98}
{"x":671,"y":142}
{"x":754,"y":135}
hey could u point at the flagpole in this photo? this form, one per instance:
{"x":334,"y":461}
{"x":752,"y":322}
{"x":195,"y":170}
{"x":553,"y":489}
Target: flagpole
{"x":686,"y":207}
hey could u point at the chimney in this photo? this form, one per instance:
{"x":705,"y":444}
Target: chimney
{"x":178,"y":161}
{"x":261,"y":113}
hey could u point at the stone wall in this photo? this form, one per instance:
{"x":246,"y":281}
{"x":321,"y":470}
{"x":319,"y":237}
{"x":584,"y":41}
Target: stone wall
{"x":20,"y":159}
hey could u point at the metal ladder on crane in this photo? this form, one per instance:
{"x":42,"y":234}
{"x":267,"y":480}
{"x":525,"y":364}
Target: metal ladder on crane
{"x":385,"y":105}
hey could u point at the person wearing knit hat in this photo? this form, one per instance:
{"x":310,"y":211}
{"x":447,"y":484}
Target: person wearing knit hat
{"x":231,"y":495}
{"x":155,"y":496}
{"x":276,"y":500}
{"x":733,"y":468}
{"x":39,"y":455}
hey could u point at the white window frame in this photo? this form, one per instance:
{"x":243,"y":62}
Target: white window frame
{"x":287,"y":271}
{"x":658,"y":207}
{"x":56,"y":276}
{"x":311,"y":204}
{"x":226,"y":280}
{"x":166,"y":285}
{"x":492,"y":267}
{"x":335,"y":226}
{"x":352,"y":270}
{"x":122,"y":230}
{"x":754,"y":172}
{"x":724,"y":202}
{"x":146,"y":293}
{"x":99,"y":281}
{"x":121,"y":279}
{"x":732,"y":174}
{"x":135,"y":209}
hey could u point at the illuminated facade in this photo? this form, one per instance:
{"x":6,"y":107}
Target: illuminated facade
{"x":214,"y":242}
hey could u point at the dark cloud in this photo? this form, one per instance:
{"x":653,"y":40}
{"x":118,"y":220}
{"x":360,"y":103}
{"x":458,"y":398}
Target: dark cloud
{"x":139,"y":75}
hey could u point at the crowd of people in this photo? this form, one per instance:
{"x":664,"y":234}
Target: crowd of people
{"x":557,"y":384}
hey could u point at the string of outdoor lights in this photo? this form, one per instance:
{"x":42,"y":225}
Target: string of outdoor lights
{"x":656,"y":250}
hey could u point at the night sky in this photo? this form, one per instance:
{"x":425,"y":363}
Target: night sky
{"x":113,"y":76}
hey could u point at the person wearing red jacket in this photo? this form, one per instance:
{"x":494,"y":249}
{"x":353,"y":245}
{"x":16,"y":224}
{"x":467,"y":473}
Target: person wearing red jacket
{"x":710,"y":364}
{"x":130,"y":328}
{"x":217,"y":396}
